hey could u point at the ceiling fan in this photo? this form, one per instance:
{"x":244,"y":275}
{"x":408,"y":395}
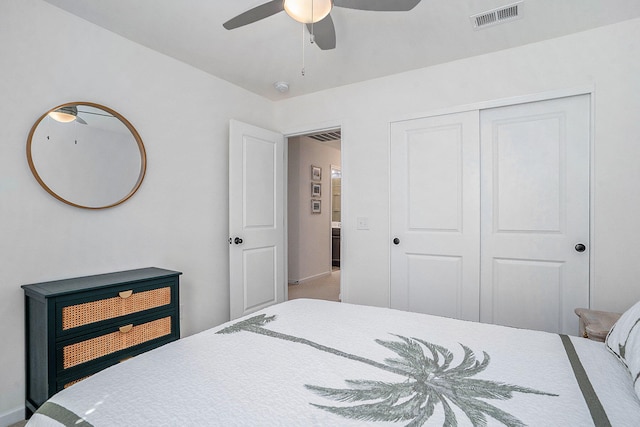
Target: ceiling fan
{"x":315,"y":14}
{"x":66,"y":114}
{"x":70,"y":113}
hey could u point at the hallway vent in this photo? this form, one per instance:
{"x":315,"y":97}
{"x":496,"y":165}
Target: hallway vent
{"x":326,"y":136}
{"x":497,"y":16}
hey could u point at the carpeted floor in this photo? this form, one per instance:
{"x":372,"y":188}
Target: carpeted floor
{"x":326,"y":288}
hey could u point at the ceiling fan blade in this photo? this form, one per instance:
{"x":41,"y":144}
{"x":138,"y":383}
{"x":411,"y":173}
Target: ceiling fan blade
{"x":257,"y":13}
{"x":80,"y":120}
{"x":378,"y":5}
{"x":324,"y":33}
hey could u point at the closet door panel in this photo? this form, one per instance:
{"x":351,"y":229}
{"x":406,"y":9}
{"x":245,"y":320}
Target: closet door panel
{"x":435,"y":215}
{"x":540,"y":282}
{"x":535,"y":210}
{"x":428,"y":272}
{"x":528,"y":177}
{"x":434,"y":168}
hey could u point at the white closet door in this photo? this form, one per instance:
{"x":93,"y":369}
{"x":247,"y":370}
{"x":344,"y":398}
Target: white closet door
{"x":535,"y":214}
{"x":435,"y":222}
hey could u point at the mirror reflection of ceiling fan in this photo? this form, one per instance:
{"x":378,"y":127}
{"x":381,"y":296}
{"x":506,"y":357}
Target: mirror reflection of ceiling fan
{"x":316,"y":14}
{"x":70,"y":113}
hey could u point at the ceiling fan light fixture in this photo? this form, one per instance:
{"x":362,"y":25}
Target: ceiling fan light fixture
{"x":308,"y":11}
{"x":64,"y":114}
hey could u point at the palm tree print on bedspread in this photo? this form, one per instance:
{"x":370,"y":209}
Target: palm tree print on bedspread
{"x":430,"y":380}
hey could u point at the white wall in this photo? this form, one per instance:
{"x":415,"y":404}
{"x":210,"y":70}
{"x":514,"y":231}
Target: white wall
{"x":179,"y":217}
{"x":607,"y":59}
{"x":309,"y":235}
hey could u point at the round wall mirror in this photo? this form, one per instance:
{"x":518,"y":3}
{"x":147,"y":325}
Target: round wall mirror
{"x":86,"y":155}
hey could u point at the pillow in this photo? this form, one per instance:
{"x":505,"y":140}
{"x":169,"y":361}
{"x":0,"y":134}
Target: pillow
{"x":623,"y":340}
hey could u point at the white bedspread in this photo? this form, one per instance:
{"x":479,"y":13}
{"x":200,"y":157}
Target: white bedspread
{"x":317,"y":363}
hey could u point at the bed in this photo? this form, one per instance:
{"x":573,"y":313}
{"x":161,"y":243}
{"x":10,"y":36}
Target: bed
{"x":318,"y":363}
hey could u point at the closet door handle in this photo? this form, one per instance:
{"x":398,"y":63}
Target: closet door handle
{"x":396,"y":241}
{"x":580,"y":247}
{"x":237,"y":241}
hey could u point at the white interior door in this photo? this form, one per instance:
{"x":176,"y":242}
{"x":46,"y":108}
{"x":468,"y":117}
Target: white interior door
{"x":435,"y":210}
{"x":256,"y":218}
{"x":535,"y":211}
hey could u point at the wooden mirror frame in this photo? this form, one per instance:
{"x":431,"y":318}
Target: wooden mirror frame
{"x":136,"y":136}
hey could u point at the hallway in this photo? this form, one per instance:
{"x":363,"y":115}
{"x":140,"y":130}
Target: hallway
{"x":325,"y":288}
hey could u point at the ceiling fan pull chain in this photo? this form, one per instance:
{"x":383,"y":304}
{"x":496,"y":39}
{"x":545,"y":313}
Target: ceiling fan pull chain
{"x":312,"y":39}
{"x":302,"y":72}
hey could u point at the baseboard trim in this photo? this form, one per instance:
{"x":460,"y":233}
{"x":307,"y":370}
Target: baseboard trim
{"x":12,"y":417}
{"x":307,"y":279}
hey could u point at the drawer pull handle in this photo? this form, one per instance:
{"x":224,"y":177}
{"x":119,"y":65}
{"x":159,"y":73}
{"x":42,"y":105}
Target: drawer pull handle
{"x":126,"y":328}
{"x":125,"y":294}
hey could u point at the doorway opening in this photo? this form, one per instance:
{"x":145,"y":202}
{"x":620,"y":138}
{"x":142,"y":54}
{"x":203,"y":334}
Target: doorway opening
{"x":314,"y":202}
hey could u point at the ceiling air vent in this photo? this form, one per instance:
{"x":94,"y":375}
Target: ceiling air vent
{"x":497,"y":16}
{"x":326,"y":136}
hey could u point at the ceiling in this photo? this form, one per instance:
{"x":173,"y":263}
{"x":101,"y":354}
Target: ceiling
{"x":369,"y":44}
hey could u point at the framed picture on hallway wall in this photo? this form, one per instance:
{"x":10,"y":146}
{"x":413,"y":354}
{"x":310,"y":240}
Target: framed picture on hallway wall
{"x":315,"y":206}
{"x":316,"y":189}
{"x":316,"y":173}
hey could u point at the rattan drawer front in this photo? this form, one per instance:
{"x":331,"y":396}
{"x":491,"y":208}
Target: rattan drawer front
{"x":84,"y":351}
{"x":77,"y":315}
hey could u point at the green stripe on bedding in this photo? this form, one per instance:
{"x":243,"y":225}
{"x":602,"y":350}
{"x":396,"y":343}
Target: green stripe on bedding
{"x":598,"y":413}
{"x":62,"y":415}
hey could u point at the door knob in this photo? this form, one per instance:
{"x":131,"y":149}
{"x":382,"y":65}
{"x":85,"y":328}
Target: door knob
{"x":396,"y":241}
{"x":237,"y":241}
{"x":580,"y":247}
